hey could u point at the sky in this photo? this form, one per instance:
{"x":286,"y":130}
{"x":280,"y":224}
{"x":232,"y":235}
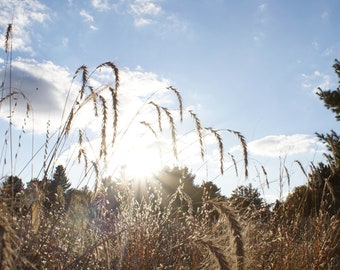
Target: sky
{"x":248,"y":66}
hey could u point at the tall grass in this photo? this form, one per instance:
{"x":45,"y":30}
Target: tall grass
{"x":153,"y":233}
{"x":115,"y":226}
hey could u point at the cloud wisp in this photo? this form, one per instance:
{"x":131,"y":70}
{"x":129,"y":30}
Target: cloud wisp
{"x":282,"y":145}
{"x":46,"y":85}
{"x":22,"y":13}
{"x":144,"y":12}
{"x":315,"y":80}
{"x":87,"y":17}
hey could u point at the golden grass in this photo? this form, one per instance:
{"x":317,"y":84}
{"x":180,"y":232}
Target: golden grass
{"x":110,"y":227}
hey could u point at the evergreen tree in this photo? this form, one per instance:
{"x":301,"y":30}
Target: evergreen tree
{"x":244,"y":198}
{"x":11,"y":187}
{"x":325,"y":178}
{"x":331,"y":98}
{"x":58,"y":188}
{"x":60,"y":179}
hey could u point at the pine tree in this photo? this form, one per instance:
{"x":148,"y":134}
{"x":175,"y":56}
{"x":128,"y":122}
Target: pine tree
{"x":325,"y":178}
{"x":60,"y":179}
{"x":57,"y":189}
{"x":331,"y":98}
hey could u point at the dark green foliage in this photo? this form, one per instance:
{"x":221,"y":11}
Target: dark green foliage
{"x":60,"y":179}
{"x":245,"y":198}
{"x":172,"y":179}
{"x":57,"y":189}
{"x":10,"y":191}
{"x":331,"y":98}
{"x":11,"y":187}
{"x":324,"y":180}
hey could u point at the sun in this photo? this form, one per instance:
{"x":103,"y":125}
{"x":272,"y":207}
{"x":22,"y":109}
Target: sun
{"x":142,"y":162}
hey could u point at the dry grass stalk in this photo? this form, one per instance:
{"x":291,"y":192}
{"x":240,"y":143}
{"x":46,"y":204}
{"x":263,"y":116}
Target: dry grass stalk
{"x":96,"y":170}
{"x":236,"y":229}
{"x":47,"y":140}
{"x":8,"y":38}
{"x":199,"y":131}
{"x":148,"y":125}
{"x":266,"y":175}
{"x":158,"y":114}
{"x":179,"y":101}
{"x":82,"y":68}
{"x":244,"y":149}
{"x":234,"y":162}
{"x":115,"y":71}
{"x":216,"y":251}
{"x":287,"y":175}
{"x":173,"y":131}
{"x":8,"y":243}
{"x":68,"y":124}
{"x":301,"y":167}
{"x":114,"y":96}
{"x":94,"y":99}
{"x":220,"y":146}
{"x":103,"y":150}
{"x":81,"y":151}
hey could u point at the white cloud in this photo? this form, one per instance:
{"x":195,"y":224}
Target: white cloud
{"x":281,"y":145}
{"x":46,"y":86}
{"x":43,"y":84}
{"x":142,"y":21}
{"x":173,"y":22}
{"x":87,"y":17}
{"x":144,"y":12}
{"x":145,"y":7}
{"x":315,"y":80}
{"x":101,"y":5}
{"x":26,"y":12}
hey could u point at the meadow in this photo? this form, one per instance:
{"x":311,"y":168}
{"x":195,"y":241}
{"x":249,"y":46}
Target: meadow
{"x":165,"y":221}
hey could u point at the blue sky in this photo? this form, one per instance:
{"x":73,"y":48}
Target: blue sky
{"x":250,"y":66}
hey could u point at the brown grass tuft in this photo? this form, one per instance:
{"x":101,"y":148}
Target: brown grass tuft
{"x":115,"y":71}
{"x":8,"y":38}
{"x":244,"y":148}
{"x":158,"y":114}
{"x":179,"y":101}
{"x":173,"y":131}
{"x":103,"y":150}
{"x":236,"y":229}
{"x":114,"y":96}
{"x":266,"y":175}
{"x":199,"y":131}
{"x":82,"y":68}
{"x":234,"y":162}
{"x":220,"y":146}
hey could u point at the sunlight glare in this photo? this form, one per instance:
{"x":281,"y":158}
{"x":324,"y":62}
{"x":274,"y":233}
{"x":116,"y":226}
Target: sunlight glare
{"x":143,"y":162}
